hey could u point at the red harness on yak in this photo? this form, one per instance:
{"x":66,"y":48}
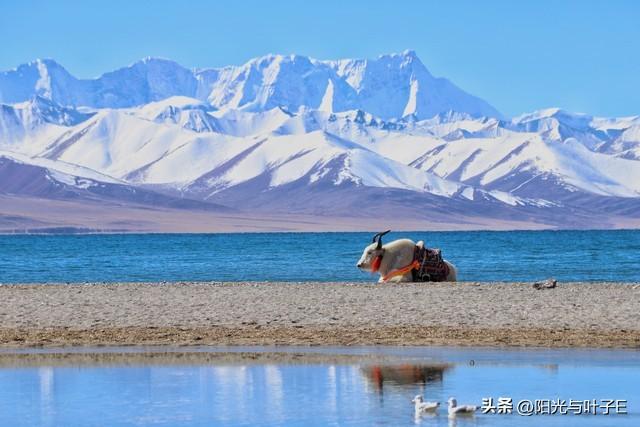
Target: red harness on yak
{"x":427,"y":266}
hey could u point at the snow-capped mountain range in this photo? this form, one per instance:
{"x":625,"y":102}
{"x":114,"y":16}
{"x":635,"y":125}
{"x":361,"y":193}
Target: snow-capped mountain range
{"x":291,"y":134}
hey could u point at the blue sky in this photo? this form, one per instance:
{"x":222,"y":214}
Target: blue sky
{"x":579,"y":55}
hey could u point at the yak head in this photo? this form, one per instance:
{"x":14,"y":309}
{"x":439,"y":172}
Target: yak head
{"x":372,"y":254}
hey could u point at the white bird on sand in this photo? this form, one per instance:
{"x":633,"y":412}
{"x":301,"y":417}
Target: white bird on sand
{"x":454,"y":409}
{"x":423,"y":407}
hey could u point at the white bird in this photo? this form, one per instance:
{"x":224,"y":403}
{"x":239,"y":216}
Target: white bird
{"x":454,"y":409}
{"x":423,"y":407}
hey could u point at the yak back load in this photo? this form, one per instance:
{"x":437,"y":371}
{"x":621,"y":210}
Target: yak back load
{"x":432,"y":266}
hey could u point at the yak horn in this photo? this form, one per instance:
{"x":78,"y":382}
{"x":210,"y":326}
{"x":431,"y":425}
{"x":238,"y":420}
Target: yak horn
{"x":378,"y":238}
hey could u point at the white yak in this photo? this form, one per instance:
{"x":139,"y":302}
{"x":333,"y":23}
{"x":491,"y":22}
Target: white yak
{"x":395,"y":261}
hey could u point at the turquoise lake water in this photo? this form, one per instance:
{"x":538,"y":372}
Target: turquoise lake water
{"x":324,"y":394}
{"x":481,"y":256}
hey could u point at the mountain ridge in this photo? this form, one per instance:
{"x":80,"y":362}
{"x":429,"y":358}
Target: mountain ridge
{"x":292,"y":81}
{"x":295,"y":135}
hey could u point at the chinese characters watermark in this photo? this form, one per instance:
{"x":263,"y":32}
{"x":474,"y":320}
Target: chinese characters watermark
{"x":526,"y":407}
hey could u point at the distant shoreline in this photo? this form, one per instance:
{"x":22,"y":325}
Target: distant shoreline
{"x":72,"y":231}
{"x":43,"y":216}
{"x":599,"y":315}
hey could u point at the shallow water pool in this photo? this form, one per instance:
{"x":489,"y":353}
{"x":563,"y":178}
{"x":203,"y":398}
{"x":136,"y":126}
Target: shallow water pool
{"x":352,"y":393}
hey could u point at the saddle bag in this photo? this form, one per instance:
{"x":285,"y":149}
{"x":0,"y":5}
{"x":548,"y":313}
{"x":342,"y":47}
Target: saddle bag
{"x":432,"y":266}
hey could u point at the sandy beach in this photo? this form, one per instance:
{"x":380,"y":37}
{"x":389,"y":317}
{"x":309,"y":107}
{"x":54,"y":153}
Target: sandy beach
{"x":481,"y":314}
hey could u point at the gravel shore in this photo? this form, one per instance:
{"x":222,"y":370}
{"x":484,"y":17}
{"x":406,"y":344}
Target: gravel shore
{"x":491,"y":314}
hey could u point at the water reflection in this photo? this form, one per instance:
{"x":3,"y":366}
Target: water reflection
{"x":302,"y":395}
{"x":405,"y":374}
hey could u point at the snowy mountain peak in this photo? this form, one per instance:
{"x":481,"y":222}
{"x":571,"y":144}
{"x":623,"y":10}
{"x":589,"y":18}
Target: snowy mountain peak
{"x":158,"y":59}
{"x":409,"y":53}
{"x":405,"y":58}
{"x":42,"y":65}
{"x":46,"y":111}
{"x":23,"y":120}
{"x":389,"y":86}
{"x":547,"y":113}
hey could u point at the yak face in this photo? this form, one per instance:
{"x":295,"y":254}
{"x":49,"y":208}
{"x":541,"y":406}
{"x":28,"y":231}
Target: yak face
{"x":371,"y":258}
{"x":372,"y":255}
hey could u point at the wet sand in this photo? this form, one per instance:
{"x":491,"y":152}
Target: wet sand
{"x":154,"y":356}
{"x":461,"y":314}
